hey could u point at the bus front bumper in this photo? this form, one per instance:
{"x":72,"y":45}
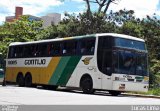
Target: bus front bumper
{"x":130,"y":86}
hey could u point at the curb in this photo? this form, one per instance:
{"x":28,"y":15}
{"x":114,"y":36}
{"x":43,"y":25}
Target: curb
{"x":143,"y":96}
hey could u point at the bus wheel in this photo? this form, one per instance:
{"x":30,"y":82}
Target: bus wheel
{"x":87,"y":85}
{"x":114,"y":93}
{"x":28,"y":80}
{"x":20,"y":80}
{"x":52,"y":87}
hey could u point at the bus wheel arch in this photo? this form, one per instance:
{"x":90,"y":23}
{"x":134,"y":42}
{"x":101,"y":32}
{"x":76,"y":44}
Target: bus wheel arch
{"x":20,"y":79}
{"x":86,"y":84}
{"x":28,"y":79}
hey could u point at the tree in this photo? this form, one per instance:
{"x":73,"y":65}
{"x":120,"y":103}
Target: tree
{"x":121,"y":17}
{"x":74,"y":25}
{"x":151,"y":32}
{"x":18,"y":31}
{"x":103,"y":5}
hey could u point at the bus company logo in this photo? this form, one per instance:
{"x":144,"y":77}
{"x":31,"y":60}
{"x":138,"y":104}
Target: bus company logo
{"x":35,"y":62}
{"x":86,"y":61}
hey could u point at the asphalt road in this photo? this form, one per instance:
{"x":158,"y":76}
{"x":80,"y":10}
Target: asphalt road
{"x":13,"y":95}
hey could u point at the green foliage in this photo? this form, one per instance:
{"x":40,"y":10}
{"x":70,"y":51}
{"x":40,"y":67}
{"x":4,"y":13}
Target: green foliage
{"x":151,"y":32}
{"x":73,"y":25}
{"x":155,"y":73}
{"x":151,"y":91}
{"x":18,"y":31}
{"x":132,"y":28}
{"x":47,"y":33}
{"x":154,"y":91}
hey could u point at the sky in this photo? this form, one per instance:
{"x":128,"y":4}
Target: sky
{"x":43,"y":7}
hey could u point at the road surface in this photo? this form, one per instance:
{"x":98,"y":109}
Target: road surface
{"x":13,"y":95}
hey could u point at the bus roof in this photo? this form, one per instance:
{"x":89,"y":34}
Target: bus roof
{"x":79,"y":37}
{"x":120,"y":36}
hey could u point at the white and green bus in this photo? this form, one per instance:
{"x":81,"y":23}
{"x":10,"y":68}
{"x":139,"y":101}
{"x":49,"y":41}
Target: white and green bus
{"x":106,"y":61}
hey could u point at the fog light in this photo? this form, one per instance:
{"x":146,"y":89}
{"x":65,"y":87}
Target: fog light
{"x":146,"y":87}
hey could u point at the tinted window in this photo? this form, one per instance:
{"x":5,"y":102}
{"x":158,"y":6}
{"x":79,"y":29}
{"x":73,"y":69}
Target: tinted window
{"x":120,"y":42}
{"x":11,"y":52}
{"x":54,"y":49}
{"x":87,"y":46}
{"x":124,"y":62}
{"x":129,"y":62}
{"x":69,"y":47}
{"x":104,"y":55}
{"x":30,"y":50}
{"x":16,"y":52}
{"x":42,"y":50}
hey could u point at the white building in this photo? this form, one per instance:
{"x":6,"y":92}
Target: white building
{"x":52,"y":18}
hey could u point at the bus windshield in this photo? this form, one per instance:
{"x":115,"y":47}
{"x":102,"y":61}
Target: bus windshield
{"x":122,"y":56}
{"x":129,"y":62}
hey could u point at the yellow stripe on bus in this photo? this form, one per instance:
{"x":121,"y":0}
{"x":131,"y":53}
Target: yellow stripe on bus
{"x":40,"y":75}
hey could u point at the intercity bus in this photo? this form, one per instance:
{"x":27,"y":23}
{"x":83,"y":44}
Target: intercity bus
{"x":105,"y":61}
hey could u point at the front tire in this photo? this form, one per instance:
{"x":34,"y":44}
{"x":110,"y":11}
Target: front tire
{"x":87,"y":85}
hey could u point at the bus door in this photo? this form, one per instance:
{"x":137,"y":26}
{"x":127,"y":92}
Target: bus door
{"x":107,"y":70}
{"x":104,"y":60}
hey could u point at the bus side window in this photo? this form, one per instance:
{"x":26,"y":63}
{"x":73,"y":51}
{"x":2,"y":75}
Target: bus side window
{"x":16,"y":52}
{"x":70,"y":47}
{"x":87,"y":46}
{"x":55,"y":49}
{"x":11,"y":52}
{"x":35,"y":51}
{"x":42,"y":50}
{"x":20,"y":52}
{"x":29,"y":51}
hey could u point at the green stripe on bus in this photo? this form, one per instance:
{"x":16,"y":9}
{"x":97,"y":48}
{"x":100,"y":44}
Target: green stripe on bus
{"x":59,"y":70}
{"x":67,"y":72}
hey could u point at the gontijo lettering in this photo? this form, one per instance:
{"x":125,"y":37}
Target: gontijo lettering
{"x":35,"y":62}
